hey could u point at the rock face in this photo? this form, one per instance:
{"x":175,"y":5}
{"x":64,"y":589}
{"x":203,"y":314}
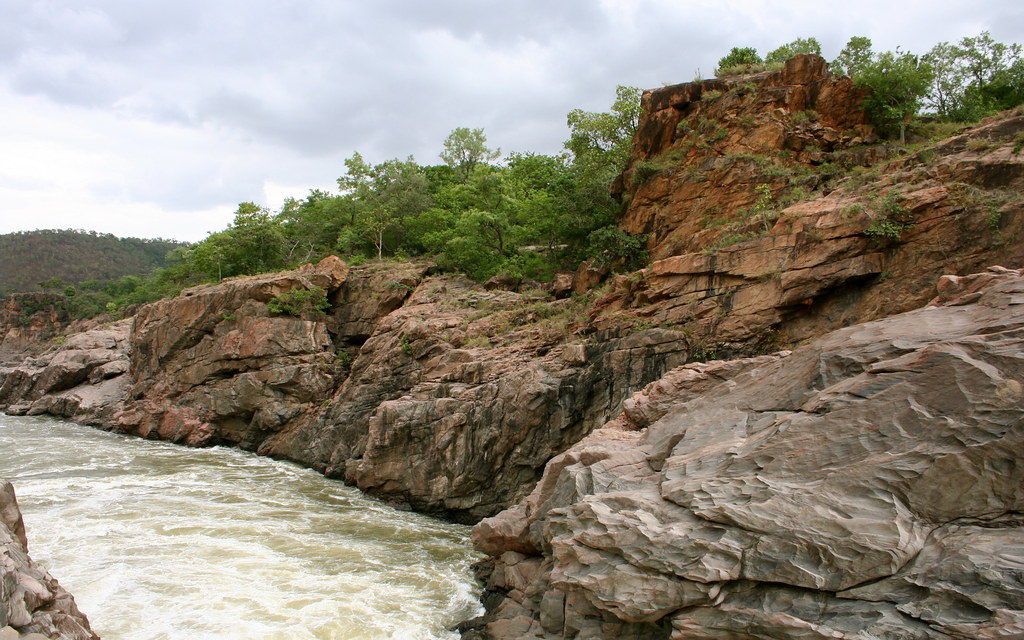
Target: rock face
{"x":216,"y":366}
{"x":458,"y":397}
{"x":32,"y":603}
{"x":26,"y":320}
{"x":774,"y":252}
{"x":82,"y":379}
{"x":866,"y":485}
{"x":703,"y":148}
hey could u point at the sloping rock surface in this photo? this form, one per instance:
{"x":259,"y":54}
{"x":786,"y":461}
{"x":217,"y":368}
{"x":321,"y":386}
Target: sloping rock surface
{"x":31,"y":601}
{"x":83,"y":379}
{"x":457,"y":399}
{"x":866,"y":485}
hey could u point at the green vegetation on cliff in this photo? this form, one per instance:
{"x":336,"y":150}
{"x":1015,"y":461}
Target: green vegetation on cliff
{"x":525,"y":216}
{"x":519,"y":215}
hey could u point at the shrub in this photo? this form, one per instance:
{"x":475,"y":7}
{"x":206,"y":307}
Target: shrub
{"x":893,"y":221}
{"x":298,"y":302}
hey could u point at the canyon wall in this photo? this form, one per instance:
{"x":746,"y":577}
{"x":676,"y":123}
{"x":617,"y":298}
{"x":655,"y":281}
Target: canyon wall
{"x":826,"y":491}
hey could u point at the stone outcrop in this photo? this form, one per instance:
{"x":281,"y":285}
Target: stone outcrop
{"x":866,"y":485}
{"x":216,"y":365}
{"x":863,"y":245}
{"x":458,"y":397}
{"x":32,"y":604}
{"x":703,"y":149}
{"x":83,"y":379}
{"x":28,"y":320}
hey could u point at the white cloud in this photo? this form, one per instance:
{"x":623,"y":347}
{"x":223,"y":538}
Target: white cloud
{"x":125,"y":116}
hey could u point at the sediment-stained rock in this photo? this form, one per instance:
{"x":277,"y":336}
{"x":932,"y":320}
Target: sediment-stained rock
{"x":866,"y":485}
{"x":31,"y":600}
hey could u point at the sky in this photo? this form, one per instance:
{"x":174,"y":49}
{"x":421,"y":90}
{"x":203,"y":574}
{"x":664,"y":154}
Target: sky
{"x":148,"y":118}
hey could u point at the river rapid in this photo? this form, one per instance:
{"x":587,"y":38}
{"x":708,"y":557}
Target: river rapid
{"x":157,"y":541}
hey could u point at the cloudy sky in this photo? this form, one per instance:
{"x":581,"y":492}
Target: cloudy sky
{"x":152,"y":118}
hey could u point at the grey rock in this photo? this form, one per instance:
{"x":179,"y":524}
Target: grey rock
{"x":866,"y":485}
{"x":32,"y":603}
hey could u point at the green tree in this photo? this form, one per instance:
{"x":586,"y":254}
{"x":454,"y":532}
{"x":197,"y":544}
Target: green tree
{"x":383,"y":197}
{"x":976,"y":77}
{"x":898,"y":83}
{"x":466,"y":148}
{"x":854,"y":57}
{"x":736,"y":59}
{"x":787,"y":51}
{"x":602,"y":141}
{"x":600,"y":145}
{"x":52,"y":283}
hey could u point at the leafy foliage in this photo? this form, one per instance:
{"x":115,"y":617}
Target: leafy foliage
{"x":300,"y":302}
{"x":737,"y":59}
{"x":975,"y":78}
{"x":788,"y":50}
{"x":465,"y":148}
{"x":898,"y":83}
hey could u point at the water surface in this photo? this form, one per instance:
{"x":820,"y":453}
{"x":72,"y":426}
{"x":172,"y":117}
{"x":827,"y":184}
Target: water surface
{"x":158,"y":541}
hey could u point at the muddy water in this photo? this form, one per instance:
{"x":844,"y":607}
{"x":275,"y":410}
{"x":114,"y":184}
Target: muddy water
{"x":158,"y":541}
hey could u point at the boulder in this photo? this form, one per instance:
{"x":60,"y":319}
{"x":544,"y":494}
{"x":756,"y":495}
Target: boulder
{"x":82,"y":379}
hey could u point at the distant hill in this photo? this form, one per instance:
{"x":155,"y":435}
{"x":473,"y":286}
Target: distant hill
{"x":29,"y":257}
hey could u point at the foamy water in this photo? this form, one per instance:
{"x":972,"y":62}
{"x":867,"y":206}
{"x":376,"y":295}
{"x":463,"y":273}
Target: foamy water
{"x":157,"y":541}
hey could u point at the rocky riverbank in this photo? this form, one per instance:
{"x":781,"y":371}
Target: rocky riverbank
{"x":837,"y":490}
{"x":866,"y":485}
{"x":33,"y":605}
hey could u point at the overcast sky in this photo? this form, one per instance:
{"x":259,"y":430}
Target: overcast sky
{"x":151,"y":118}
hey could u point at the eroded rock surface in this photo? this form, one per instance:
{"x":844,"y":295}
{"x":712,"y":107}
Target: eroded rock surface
{"x":83,"y":379}
{"x":31,"y":600}
{"x":216,"y":366}
{"x":866,"y":485}
{"x":458,"y":398}
{"x":771,"y":223}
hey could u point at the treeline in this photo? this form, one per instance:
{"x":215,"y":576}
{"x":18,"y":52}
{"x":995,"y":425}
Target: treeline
{"x":525,"y":216}
{"x":528,"y":215}
{"x":68,"y":257}
{"x":962,"y":82}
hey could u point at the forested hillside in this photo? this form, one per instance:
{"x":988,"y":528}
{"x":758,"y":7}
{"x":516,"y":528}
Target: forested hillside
{"x":61,"y":258}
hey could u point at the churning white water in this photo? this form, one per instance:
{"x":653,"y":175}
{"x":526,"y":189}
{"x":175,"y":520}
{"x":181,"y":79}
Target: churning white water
{"x":157,"y":541}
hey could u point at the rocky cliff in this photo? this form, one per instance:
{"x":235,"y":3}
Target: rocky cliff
{"x":32,"y":604}
{"x":774,"y":218}
{"x":866,"y":485}
{"x":769,"y":228}
{"x":430,"y":392}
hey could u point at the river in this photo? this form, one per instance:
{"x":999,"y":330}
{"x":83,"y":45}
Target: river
{"x":161,"y":542}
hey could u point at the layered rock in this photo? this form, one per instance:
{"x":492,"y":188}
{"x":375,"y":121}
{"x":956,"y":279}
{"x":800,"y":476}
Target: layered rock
{"x":216,"y":365}
{"x":32,"y":603}
{"x":28,"y":320}
{"x":703,"y":149}
{"x":867,"y":244}
{"x":83,"y":379}
{"x":866,"y":485}
{"x":457,"y":399}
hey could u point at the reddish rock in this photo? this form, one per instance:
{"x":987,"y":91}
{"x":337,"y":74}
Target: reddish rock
{"x":861,"y":486}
